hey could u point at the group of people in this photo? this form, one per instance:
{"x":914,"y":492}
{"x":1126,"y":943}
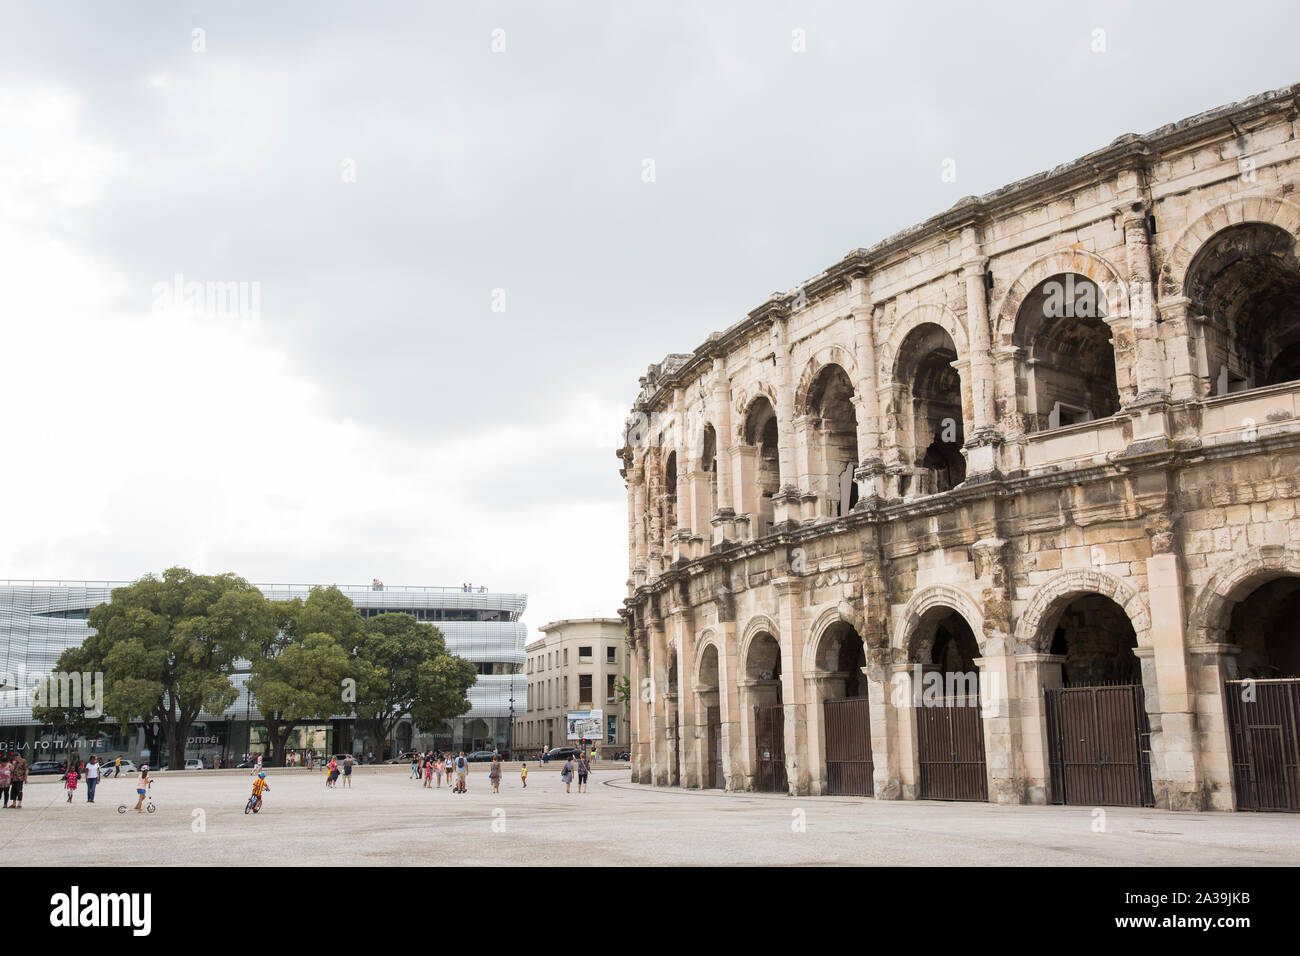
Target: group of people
{"x":433,"y":764}
{"x":13,"y":777}
{"x":332,"y":774}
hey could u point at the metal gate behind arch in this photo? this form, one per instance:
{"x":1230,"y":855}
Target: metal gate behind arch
{"x":950,"y":745}
{"x":769,"y":730}
{"x":713,"y":765}
{"x":849,"y":767}
{"x":1264,"y":731}
{"x":1099,"y":746}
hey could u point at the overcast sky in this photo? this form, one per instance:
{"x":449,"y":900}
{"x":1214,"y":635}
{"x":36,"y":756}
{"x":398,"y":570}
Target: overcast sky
{"x":375,"y":172}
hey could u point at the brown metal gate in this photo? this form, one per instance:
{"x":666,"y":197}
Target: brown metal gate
{"x":713,"y":766}
{"x":769,"y":731}
{"x":849,"y":770}
{"x":1099,"y":746}
{"x":950,"y":745}
{"x":1264,"y":731}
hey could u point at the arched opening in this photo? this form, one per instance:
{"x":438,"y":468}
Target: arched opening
{"x":845,"y":712}
{"x":1067,"y":374}
{"x":841,"y":655}
{"x":709,"y":466}
{"x":670,"y":498}
{"x":1263,"y":702}
{"x":763,"y":679}
{"x":1097,"y":728}
{"x":1262,"y":624}
{"x":708,"y":677}
{"x":761,"y":435}
{"x":1097,"y":639}
{"x":944,"y":644}
{"x":763,"y":664}
{"x":928,"y":409}
{"x":1245,"y":280}
{"x":949,"y":722}
{"x":833,"y":448}
{"x":711,"y":713}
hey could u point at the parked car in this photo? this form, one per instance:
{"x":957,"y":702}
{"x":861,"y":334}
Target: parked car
{"x":128,"y":766}
{"x":564,"y":753}
{"x":194,"y":763}
{"x":46,"y":768}
{"x":623,"y":755}
{"x":480,"y":756}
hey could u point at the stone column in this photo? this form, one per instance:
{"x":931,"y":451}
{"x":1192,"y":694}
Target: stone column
{"x":637,"y":479}
{"x":658,"y":702}
{"x":1149,"y":369}
{"x":642,"y":689}
{"x":785,"y":503}
{"x":1184,"y":348}
{"x":1175,"y":774}
{"x":984,"y":438}
{"x":999,"y":690}
{"x":1212,"y":664}
{"x":870,"y":474}
{"x":730,"y":707}
{"x":1036,"y":673}
{"x":751,"y":692}
{"x":689,"y":771}
{"x":905,"y":693}
{"x":793,"y":689}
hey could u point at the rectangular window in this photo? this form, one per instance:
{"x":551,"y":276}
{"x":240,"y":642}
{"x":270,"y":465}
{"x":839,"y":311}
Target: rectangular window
{"x":584,"y":690}
{"x":611,"y":655}
{"x":584,"y":653}
{"x":609,"y":688}
{"x":566,"y":655}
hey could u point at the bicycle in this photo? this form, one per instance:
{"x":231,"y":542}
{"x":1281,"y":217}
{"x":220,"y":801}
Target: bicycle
{"x":253,"y":805}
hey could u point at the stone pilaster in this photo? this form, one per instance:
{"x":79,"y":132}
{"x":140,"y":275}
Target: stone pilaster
{"x":1036,"y":673}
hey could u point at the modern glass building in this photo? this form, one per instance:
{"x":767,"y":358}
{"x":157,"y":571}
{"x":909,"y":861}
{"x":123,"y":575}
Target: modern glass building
{"x":39,"y":620}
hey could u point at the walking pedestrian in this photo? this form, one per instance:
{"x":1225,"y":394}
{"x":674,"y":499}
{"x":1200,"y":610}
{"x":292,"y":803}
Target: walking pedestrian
{"x":18,"y":780}
{"x":439,"y":766}
{"x":428,"y":774}
{"x":70,"y":780}
{"x":566,"y":773}
{"x":117,"y":767}
{"x":584,"y":768}
{"x":462,"y":773}
{"x":523,"y":773}
{"x":347,"y":771}
{"x":6,"y":777}
{"x":494,"y":774}
{"x":92,"y":777}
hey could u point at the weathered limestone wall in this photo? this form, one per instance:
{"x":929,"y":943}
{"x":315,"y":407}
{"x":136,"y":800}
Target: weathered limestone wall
{"x":1173,"y":502}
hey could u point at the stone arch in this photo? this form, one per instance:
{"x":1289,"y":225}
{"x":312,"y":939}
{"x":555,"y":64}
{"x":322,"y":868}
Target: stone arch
{"x":706,"y":639}
{"x":930,"y":314}
{"x":835,"y":614}
{"x":823,"y":357}
{"x":1234,"y":580}
{"x":1077,"y":261}
{"x":931,"y":598}
{"x":1275,"y":212}
{"x":758,"y":624}
{"x":1063,"y":588}
{"x":744,"y":401}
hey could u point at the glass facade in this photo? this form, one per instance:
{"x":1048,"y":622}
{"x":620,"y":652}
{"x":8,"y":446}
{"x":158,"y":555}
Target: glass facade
{"x":41,"y":619}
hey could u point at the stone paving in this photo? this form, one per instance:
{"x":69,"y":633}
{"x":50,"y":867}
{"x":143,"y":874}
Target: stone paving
{"x":389,"y":819}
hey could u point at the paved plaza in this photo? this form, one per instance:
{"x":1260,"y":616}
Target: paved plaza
{"x":388,"y":819}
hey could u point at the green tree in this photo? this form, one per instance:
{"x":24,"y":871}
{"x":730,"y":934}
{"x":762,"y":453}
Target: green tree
{"x":167,"y":648}
{"x":71,"y":715}
{"x":403,"y":667}
{"x":297,"y":675}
